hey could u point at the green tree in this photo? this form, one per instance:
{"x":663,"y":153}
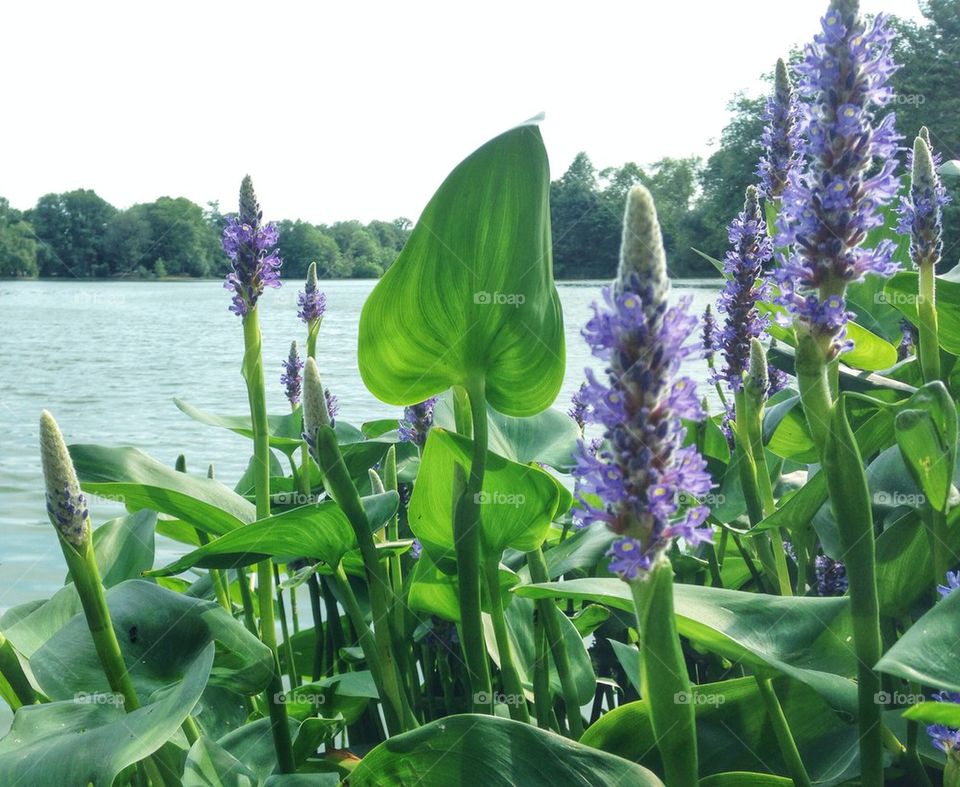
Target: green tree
{"x":71,"y":228}
{"x":18,"y":247}
{"x":302,"y":243}
{"x":126,"y":242}
{"x":586,"y":227}
{"x":728,"y":172}
{"x":179,"y":235}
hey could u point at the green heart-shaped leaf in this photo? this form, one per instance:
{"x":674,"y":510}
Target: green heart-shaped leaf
{"x":471,"y":296}
{"x":495,"y":752}
{"x":517,"y":504}
{"x":90,"y":741}
{"x":160,"y":634}
{"x":320,"y":531}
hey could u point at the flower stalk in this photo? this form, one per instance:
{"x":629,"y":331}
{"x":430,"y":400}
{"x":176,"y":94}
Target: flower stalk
{"x":256,"y":265}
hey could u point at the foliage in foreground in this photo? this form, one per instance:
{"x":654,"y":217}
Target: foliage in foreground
{"x":764,"y":595}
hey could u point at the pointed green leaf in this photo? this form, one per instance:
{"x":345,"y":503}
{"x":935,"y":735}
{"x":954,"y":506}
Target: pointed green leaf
{"x":471,"y":295}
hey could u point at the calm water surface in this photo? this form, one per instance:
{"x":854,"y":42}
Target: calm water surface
{"x":107,"y":358}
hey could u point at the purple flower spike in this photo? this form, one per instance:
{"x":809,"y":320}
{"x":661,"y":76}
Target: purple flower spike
{"x":953,"y":583}
{"x":578,"y":408}
{"x":254,"y":262}
{"x":945,"y":738}
{"x":708,"y":334}
{"x":828,"y":209}
{"x":752,"y":249}
{"x":416,"y":422}
{"x":333,"y":406}
{"x":781,"y":136}
{"x":831,"y":576}
{"x":311,"y":301}
{"x":641,"y":469}
{"x":291,"y":375}
{"x":920,"y":213}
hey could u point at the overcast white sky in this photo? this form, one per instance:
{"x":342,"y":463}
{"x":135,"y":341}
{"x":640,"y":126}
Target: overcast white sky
{"x":359,"y":109}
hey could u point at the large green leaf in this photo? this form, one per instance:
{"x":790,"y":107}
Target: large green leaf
{"x":520,"y":617}
{"x":549,"y":437}
{"x":124,"y":547}
{"x":927,"y":653}
{"x":139,"y":481}
{"x":494,"y":752}
{"x":803,"y":638}
{"x":471,"y":296}
{"x":285,"y":430}
{"x":926,"y":432}
{"x":517,"y":505}
{"x":433,"y":592}
{"x":77,"y":742}
{"x":161,"y":634}
{"x":321,"y":531}
{"x":901,"y":292}
{"x":734,"y":731}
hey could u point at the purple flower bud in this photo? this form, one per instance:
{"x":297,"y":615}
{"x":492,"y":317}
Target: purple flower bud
{"x":291,"y":375}
{"x":708,"y":334}
{"x":831,"y":576}
{"x":781,"y":136}
{"x":944,"y":738}
{"x":828,"y":209}
{"x":66,"y":505}
{"x":920,"y":213}
{"x":254,"y":262}
{"x":333,"y":406}
{"x":416,"y":422}
{"x":311,"y":301}
{"x":953,"y":582}
{"x":578,"y":409}
{"x":752,"y":249}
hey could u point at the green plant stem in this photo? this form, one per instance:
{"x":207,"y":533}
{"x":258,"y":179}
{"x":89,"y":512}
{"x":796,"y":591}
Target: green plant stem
{"x":21,"y":692}
{"x":753,"y":427}
{"x":341,"y":487}
{"x":313,"y":589}
{"x":940,"y":545}
{"x":846,"y":481}
{"x":86,"y":579}
{"x":664,"y":681}
{"x":781,"y":729}
{"x":466,"y":532}
{"x":547,"y":610}
{"x":929,"y":349}
{"x":216,"y":577}
{"x":287,"y":644}
{"x":516,"y":701}
{"x":253,"y":375}
{"x":541,"y":674}
{"x":368,"y":643}
{"x":749,"y":481}
{"x":246,"y":600}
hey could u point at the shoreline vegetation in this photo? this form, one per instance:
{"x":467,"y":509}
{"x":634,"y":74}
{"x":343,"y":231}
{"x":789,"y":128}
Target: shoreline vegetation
{"x":78,"y":234}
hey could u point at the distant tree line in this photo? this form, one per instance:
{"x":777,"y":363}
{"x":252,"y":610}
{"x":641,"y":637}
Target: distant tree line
{"x":80,"y":234}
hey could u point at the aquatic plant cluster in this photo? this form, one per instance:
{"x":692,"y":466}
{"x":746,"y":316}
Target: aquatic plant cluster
{"x":654,"y":587}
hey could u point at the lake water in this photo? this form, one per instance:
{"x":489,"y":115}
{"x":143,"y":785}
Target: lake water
{"x":107,"y":359}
